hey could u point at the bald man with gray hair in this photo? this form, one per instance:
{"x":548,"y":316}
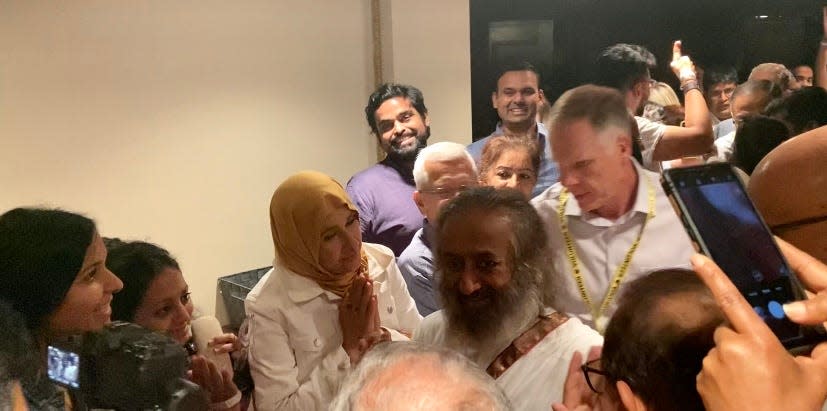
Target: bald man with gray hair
{"x":441,"y":171}
{"x":416,"y":377}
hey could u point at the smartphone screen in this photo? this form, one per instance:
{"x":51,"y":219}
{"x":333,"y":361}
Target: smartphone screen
{"x":723,"y":221}
{"x":64,"y":367}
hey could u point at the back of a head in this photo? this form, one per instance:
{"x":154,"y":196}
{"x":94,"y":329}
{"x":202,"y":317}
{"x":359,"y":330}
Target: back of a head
{"x":136,"y":263}
{"x":443,"y":151}
{"x":765,"y":88}
{"x":18,"y":360}
{"x":803,"y":110}
{"x":41,"y":253}
{"x":658,"y":337}
{"x":757,"y":135}
{"x":796,"y":164}
{"x":620,"y":66}
{"x":411,"y":376}
{"x":661,"y":93}
{"x":774,"y":72}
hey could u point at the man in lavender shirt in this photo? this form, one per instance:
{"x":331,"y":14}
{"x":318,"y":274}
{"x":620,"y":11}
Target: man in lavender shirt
{"x":383,"y":193}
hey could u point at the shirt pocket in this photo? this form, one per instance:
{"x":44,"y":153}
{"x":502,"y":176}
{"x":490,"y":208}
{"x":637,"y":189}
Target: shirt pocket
{"x":307,"y":343}
{"x":386,"y":305}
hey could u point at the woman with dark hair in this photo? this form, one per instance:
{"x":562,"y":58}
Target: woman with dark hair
{"x":52,"y":271}
{"x":327,"y":300}
{"x":156,"y":296}
{"x":510,"y":162}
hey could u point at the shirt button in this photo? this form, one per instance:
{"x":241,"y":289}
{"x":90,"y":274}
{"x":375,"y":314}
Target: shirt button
{"x":316,"y":342}
{"x":390,"y":309}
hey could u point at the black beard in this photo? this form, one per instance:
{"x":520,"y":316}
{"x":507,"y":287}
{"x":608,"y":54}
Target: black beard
{"x":409,"y":154}
{"x":483,"y":313}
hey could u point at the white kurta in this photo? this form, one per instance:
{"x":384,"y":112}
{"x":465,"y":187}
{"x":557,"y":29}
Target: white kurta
{"x":536,"y":380}
{"x":602,"y":244}
{"x":295,"y":352}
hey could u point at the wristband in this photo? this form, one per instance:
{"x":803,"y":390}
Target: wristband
{"x":686,"y":86}
{"x":228,"y":403}
{"x":824,"y":42}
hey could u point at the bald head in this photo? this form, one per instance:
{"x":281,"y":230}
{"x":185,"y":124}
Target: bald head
{"x":411,"y":376}
{"x":776,"y":73}
{"x":796,"y":166}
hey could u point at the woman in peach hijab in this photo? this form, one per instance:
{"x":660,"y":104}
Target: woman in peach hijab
{"x":328,"y":299}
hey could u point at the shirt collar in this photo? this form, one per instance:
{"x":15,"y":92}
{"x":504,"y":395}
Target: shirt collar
{"x":641,"y":204}
{"x":301,"y":289}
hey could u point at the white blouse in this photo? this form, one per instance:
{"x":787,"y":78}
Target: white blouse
{"x":295,"y":351}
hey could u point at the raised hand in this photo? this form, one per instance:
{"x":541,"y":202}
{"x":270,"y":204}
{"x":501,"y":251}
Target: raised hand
{"x":577,"y":396}
{"x":681,"y":65}
{"x":218,"y":384}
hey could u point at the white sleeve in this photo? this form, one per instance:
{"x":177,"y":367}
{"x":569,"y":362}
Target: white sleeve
{"x":407,"y":316}
{"x":275,"y":371}
{"x":650,"y":135}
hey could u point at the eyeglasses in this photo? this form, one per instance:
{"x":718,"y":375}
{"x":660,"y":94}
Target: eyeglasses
{"x":446,"y":192}
{"x":598,"y":379}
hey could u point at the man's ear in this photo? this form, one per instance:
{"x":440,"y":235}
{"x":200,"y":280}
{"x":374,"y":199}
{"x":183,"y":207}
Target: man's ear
{"x":417,"y":198}
{"x":427,"y":120}
{"x":541,"y":95}
{"x":494,"y":100}
{"x":630,"y":401}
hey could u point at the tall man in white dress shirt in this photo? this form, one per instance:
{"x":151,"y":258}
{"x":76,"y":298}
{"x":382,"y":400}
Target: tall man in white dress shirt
{"x":489,"y":251}
{"x":608,"y":220}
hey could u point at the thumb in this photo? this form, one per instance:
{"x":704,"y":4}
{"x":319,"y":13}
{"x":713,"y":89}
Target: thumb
{"x":809,"y":312}
{"x":559,"y":407}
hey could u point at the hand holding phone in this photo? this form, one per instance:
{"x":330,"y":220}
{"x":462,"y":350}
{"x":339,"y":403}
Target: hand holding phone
{"x":724,"y":225}
{"x":748,"y":368}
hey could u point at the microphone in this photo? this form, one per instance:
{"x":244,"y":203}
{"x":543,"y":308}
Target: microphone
{"x":204,"y":328}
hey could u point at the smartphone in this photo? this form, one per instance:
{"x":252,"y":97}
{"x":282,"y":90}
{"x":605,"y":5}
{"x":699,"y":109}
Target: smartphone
{"x":724,"y":225}
{"x":63,"y":366}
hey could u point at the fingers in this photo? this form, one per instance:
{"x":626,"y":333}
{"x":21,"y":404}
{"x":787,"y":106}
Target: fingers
{"x":559,"y":407}
{"x":811,"y":272}
{"x":574,"y":367}
{"x":809,"y":312}
{"x":199,"y":371}
{"x":676,"y":50}
{"x":736,"y":309}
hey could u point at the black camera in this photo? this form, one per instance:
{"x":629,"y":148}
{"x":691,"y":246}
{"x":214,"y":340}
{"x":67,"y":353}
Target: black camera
{"x":126,"y":367}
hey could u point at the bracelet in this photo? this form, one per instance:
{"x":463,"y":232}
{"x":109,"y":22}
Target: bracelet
{"x":686,"y":86}
{"x":228,"y":403}
{"x":824,"y":42}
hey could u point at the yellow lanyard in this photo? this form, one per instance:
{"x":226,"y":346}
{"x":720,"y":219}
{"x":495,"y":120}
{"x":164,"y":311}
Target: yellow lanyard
{"x":620,"y":272}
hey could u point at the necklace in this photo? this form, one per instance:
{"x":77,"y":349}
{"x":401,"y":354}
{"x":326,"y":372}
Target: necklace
{"x":599,"y":313}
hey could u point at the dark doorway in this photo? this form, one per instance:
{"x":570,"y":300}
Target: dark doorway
{"x":562,"y":38}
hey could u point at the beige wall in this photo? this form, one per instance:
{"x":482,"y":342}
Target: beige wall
{"x":430,"y":48}
{"x":173,"y":121}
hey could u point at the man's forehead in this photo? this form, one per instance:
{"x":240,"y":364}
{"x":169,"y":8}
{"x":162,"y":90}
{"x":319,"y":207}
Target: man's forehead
{"x":518,"y":77}
{"x":392,"y":107}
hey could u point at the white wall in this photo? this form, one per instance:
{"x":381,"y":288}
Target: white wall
{"x":173,"y":121}
{"x":430,"y":48}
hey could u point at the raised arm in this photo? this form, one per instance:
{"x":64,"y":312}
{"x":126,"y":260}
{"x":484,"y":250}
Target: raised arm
{"x":821,"y":57}
{"x":696,"y":137}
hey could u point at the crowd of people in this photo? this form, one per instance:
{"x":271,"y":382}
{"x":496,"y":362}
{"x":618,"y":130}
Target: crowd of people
{"x":541,"y":267}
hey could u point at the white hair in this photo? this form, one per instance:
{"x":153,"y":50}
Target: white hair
{"x":442,"y":151}
{"x":419,"y":376}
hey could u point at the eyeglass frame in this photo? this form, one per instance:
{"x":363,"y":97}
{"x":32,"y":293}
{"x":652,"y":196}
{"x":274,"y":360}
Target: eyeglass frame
{"x":586,"y":368}
{"x":444,"y":193}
